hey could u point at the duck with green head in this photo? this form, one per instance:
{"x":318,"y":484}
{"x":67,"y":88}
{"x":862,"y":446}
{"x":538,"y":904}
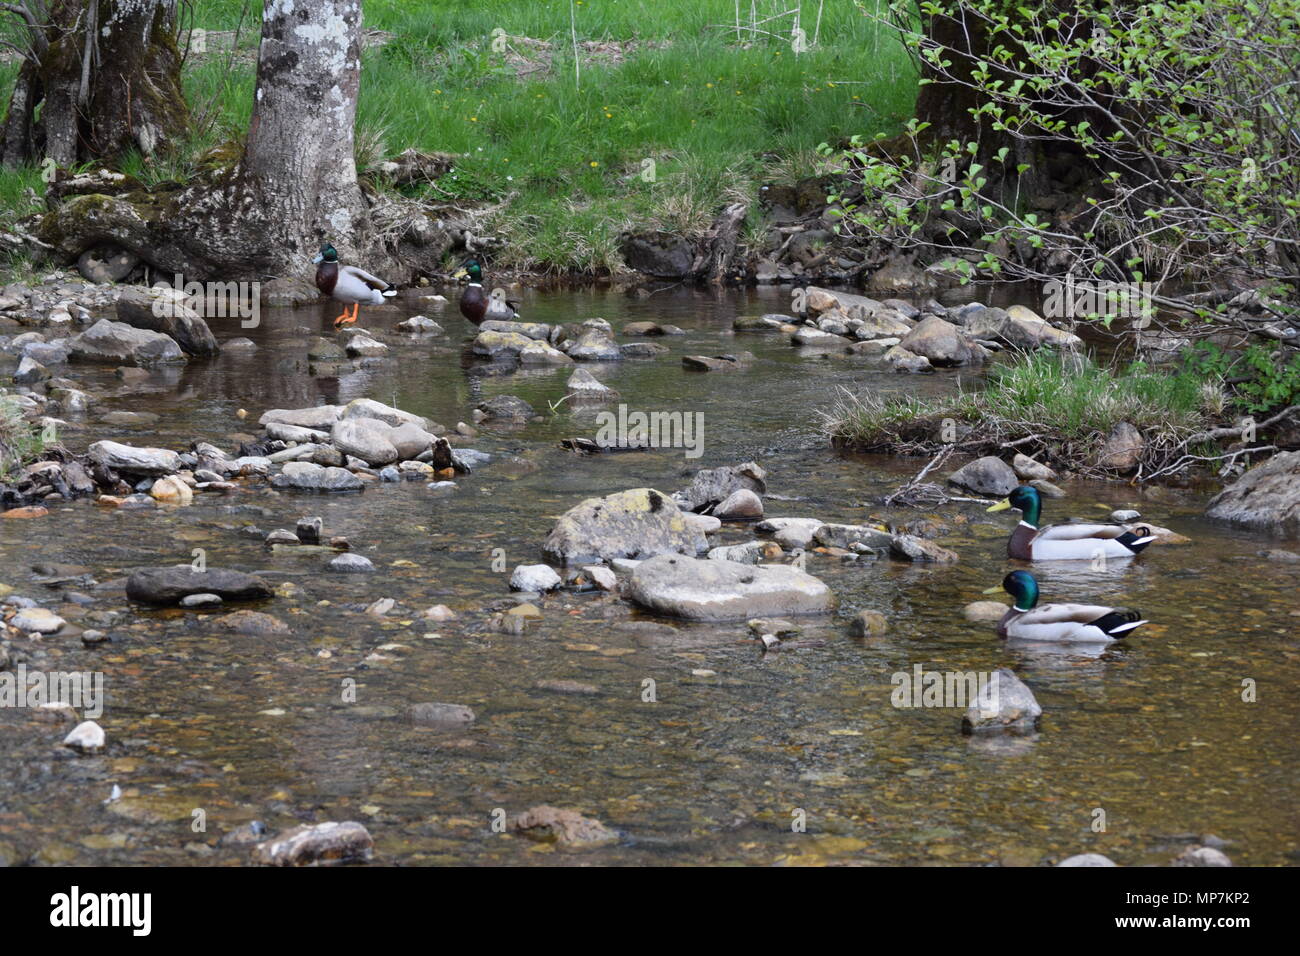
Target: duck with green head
{"x":1066,"y":542}
{"x":1060,"y":623}
{"x":348,"y":284}
{"x":478,"y":306}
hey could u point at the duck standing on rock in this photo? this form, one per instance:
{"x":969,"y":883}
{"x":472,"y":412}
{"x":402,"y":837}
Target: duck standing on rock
{"x":476,"y":305}
{"x":1060,"y":623}
{"x":1066,"y":542}
{"x":348,"y":284}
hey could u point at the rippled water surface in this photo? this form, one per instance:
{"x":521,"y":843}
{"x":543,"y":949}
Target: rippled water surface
{"x":1154,"y":730}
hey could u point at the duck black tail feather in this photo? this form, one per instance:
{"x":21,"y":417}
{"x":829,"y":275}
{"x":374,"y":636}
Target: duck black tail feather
{"x":1119,"y":622}
{"x":1137,"y":539}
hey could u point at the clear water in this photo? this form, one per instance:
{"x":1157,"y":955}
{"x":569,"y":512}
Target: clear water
{"x":1153,"y":731}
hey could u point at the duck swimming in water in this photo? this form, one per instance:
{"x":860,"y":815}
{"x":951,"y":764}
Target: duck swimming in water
{"x":1066,"y":542}
{"x":1060,"y":623}
{"x":478,"y":306}
{"x":348,"y":284}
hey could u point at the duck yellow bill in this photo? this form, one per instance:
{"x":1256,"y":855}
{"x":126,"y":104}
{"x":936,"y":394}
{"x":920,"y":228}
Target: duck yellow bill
{"x":993,"y":590}
{"x":459,"y":274}
{"x":1002,"y":505}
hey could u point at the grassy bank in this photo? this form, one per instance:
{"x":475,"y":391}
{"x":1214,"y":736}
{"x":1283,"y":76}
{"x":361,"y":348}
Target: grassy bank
{"x":1044,"y":401}
{"x":19,"y":443}
{"x":562,"y":163}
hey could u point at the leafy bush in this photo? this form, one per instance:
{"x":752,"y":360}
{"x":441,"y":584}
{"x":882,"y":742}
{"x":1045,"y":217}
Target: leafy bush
{"x":1259,"y":381}
{"x":1180,"y":116}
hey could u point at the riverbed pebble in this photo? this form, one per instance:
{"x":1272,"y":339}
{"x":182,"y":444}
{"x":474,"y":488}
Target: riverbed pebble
{"x":1004,"y":703}
{"x":351,"y":564}
{"x":87,"y":737}
{"x":37,"y":620}
{"x":317,"y":844}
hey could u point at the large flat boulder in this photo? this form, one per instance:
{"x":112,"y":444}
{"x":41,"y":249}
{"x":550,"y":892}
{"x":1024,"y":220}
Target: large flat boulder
{"x":308,"y":476}
{"x":1267,"y":497}
{"x":686,"y":587}
{"x":364,"y":438}
{"x":492,"y":343}
{"x":169,"y":585}
{"x":639,"y":523}
{"x":166,"y":311}
{"x":533,"y":330}
{"x":117,"y":343}
{"x":320,"y":417}
{"x":595,"y":345}
{"x":134,"y":460}
{"x":389,"y":415}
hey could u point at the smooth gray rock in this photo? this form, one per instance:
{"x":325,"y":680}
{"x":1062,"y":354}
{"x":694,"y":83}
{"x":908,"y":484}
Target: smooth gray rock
{"x":595,"y":345}
{"x":986,"y":476}
{"x":846,"y":535}
{"x":442,"y":716}
{"x":320,"y":417}
{"x":30,"y":371}
{"x":534,"y":577}
{"x":711,"y":486}
{"x":686,"y":587}
{"x":1086,"y":859}
{"x":741,"y":505}
{"x":506,"y":408}
{"x":791,"y":533}
{"x":366,"y":439}
{"x":584,"y":387}
{"x":295,"y":433}
{"x":1004,"y":703}
{"x":136,"y":461}
{"x":309,"y":476}
{"x":1266,"y":498}
{"x":350,"y":563}
{"x":36,"y":620}
{"x":410,"y":440}
{"x":316,"y":844}
{"x":167,"y":311}
{"x":939,"y":341}
{"x":388,"y":414}
{"x":169,"y":585}
{"x":638,"y":523}
{"x":117,"y":343}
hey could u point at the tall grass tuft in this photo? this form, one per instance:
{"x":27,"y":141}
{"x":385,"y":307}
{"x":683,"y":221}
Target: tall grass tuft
{"x":1065,"y":397}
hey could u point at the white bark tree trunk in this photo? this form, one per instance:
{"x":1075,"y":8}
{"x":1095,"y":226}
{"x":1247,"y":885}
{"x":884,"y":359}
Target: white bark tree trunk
{"x":299,"y":159}
{"x":264,"y":214}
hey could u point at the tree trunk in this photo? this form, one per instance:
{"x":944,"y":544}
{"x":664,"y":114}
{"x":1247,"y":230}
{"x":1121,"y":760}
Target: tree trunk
{"x":105,"y":75}
{"x":262,"y":211}
{"x":946,"y":105}
{"x":299,"y":161}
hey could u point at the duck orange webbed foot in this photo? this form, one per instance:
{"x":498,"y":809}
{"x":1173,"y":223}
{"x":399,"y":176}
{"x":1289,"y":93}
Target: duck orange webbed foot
{"x":344,"y":318}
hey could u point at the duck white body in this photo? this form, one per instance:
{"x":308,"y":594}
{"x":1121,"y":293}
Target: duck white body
{"x":1093,"y":624}
{"x":358,"y":287}
{"x":1065,"y":624}
{"x":1066,"y":542}
{"x":1081,"y":542}
{"x":347,"y":284}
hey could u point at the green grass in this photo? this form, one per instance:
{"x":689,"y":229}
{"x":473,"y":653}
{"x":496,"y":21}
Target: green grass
{"x":1061,"y":397}
{"x":19,"y":442}
{"x":558,"y":164}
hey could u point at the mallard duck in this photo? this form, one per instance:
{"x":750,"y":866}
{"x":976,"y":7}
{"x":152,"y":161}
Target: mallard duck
{"x":475,"y":305}
{"x":1066,"y":542}
{"x":348,"y":284}
{"x":1059,"y":623}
